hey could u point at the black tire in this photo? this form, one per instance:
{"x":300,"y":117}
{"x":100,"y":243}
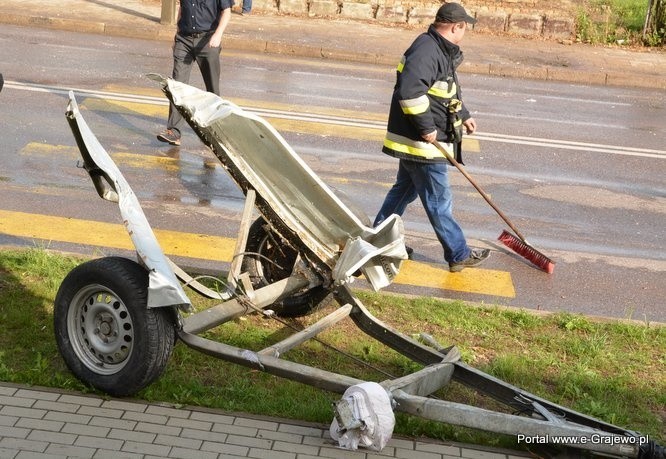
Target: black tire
{"x":104,"y":330}
{"x":268,"y":260}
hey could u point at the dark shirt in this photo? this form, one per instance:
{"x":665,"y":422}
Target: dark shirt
{"x":201,"y":15}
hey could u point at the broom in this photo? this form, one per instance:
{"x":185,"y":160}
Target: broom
{"x":517,"y":244}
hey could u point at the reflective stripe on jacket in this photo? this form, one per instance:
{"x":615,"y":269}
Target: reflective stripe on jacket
{"x":426,"y":81}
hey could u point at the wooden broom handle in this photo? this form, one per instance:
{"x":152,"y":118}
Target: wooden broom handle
{"x":453,"y":161}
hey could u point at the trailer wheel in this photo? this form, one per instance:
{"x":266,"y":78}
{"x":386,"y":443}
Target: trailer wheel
{"x":104,"y":330}
{"x":268,"y":261}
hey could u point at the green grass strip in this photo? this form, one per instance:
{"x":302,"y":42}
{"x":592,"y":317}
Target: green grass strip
{"x":612,"y":370}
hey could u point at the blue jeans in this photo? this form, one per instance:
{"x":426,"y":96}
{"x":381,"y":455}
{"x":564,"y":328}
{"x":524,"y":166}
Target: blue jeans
{"x":430,"y":182}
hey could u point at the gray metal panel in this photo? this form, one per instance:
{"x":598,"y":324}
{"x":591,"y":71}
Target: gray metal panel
{"x":163,"y":286}
{"x":256,"y":155}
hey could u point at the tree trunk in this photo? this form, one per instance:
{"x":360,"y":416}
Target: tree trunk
{"x":655,"y":20}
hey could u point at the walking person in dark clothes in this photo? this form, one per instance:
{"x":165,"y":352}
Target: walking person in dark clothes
{"x":426,"y":106}
{"x":247,"y":7}
{"x":201,"y":24}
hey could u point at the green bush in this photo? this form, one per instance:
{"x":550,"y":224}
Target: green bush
{"x":620,"y":22}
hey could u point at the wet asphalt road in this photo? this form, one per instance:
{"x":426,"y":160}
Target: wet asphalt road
{"x":580,"y":170}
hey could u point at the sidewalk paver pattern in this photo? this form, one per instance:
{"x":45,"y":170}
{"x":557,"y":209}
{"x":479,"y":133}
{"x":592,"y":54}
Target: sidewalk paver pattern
{"x":43,"y":423}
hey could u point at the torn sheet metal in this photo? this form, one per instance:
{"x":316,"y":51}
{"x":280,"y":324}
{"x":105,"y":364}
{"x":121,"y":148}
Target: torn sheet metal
{"x":163,"y":287}
{"x":375,"y":255}
{"x":290,"y":194}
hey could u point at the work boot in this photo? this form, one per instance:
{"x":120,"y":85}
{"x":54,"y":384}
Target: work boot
{"x":169,"y":136}
{"x":476,"y":257}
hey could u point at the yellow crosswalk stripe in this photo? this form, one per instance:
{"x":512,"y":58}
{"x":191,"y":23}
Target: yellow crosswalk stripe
{"x":100,"y":234}
{"x":482,"y":281}
{"x":472,"y":280}
{"x":215,"y":248}
{"x":282,"y":125}
{"x":168,"y":164}
{"x":121,"y":158}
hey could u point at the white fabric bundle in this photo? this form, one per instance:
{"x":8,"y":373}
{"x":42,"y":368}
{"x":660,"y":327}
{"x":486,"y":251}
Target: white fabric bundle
{"x":370,"y":404}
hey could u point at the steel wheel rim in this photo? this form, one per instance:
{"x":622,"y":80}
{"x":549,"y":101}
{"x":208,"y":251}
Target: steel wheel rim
{"x":100,"y":329}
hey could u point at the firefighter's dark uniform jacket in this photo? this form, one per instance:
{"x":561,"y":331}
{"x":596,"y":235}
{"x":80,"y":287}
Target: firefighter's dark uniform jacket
{"x":426,"y":83}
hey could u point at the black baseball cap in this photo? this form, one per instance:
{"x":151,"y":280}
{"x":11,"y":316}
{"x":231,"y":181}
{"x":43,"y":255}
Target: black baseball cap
{"x":453,"y":12}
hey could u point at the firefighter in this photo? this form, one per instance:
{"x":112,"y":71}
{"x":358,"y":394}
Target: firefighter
{"x":427,"y":106}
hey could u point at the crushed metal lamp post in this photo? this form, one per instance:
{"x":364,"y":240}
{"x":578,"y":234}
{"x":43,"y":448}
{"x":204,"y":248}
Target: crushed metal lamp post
{"x":116,"y":320}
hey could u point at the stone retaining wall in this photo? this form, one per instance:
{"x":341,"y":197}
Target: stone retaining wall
{"x":533,"y":18}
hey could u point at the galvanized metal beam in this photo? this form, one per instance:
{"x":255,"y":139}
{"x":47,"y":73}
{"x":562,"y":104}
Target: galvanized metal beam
{"x":241,"y":240}
{"x":313,"y":330}
{"x":491,"y":421}
{"x":295,"y":371}
{"x":423,"y":382}
{"x":265,"y":296}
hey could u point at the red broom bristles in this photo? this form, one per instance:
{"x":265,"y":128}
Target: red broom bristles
{"x":528,"y":252}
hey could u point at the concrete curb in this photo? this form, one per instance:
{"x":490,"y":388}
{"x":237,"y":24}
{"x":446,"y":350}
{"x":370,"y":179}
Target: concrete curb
{"x":235,"y":42}
{"x":565,"y":75}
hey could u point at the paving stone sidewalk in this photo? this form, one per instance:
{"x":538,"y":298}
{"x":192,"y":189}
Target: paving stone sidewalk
{"x":45,"y":423}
